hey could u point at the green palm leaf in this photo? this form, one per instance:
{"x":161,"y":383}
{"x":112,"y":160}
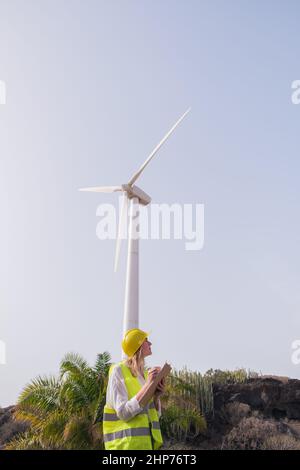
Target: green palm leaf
{"x":42,"y":394}
{"x":73,"y":364}
{"x":102,"y":364}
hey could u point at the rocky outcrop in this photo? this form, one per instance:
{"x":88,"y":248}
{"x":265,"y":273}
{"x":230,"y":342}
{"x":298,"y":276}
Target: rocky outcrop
{"x":261,"y":413}
{"x":8,"y":426}
{"x":272,"y":397}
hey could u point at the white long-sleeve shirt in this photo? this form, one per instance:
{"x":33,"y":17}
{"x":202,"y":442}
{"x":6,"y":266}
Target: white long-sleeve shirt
{"x":117,"y":396}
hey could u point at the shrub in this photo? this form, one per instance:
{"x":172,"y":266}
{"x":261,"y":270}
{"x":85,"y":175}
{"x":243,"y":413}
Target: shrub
{"x":64,"y":412}
{"x":184,"y":404}
{"x":251,"y":434}
{"x":223,"y":377}
{"x":234,"y":412}
{"x":281,"y":442}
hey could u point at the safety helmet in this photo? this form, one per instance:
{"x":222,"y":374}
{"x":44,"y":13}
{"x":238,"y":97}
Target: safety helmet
{"x":133,"y":340}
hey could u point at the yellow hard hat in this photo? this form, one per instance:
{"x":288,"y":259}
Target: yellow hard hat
{"x":132,"y":340}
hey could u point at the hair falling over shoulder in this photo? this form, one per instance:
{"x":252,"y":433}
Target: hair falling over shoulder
{"x":136,"y":363}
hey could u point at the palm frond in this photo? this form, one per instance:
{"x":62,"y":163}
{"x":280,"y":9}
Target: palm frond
{"x":78,"y":433}
{"x":99,"y":406}
{"x":103,"y":363}
{"x":52,"y":429}
{"x":73,"y":364}
{"x":26,"y":441}
{"x":73,"y":395}
{"x":42,"y":394}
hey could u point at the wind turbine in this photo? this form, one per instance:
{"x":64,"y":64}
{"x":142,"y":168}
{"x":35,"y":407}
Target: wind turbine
{"x":132,"y":197}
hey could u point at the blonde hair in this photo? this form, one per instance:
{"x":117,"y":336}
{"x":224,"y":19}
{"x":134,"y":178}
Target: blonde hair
{"x":136,"y":363}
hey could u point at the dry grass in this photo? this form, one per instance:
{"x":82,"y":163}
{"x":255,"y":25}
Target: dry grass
{"x":281,"y":442}
{"x":253,"y":434}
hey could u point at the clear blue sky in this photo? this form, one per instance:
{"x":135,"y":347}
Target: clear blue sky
{"x":91,"y":88}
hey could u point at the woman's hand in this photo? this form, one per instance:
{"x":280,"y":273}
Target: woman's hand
{"x":152,"y":373}
{"x":160,"y":389}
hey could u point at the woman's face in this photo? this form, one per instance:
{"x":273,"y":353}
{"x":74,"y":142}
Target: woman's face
{"x":146,"y":348}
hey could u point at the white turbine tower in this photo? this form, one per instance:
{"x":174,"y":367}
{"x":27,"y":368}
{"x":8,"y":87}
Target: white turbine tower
{"x":136,"y":196}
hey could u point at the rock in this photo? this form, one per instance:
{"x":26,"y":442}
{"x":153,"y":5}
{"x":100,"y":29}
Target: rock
{"x":8,"y":426}
{"x":236,"y":411}
{"x":272,"y":397}
{"x":6,"y":414}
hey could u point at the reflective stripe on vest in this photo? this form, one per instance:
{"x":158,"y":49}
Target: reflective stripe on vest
{"x":114,"y":417}
{"x":142,"y":432}
{"x":127,"y":433}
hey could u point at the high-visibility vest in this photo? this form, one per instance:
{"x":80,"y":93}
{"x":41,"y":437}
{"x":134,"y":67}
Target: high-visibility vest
{"x":142,"y":432}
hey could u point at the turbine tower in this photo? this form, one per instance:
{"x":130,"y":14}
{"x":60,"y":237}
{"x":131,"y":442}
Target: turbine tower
{"x":133,"y":196}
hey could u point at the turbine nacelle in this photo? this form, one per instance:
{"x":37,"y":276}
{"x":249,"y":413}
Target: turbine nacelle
{"x":135,"y":191}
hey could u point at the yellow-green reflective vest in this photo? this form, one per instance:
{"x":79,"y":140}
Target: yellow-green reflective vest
{"x":142,"y":432}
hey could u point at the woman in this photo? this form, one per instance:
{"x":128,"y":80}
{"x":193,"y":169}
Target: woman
{"x":126,"y":424}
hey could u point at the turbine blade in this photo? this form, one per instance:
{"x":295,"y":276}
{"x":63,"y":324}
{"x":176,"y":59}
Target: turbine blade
{"x":122,"y":220}
{"x":102,"y":189}
{"x":137,"y":174}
